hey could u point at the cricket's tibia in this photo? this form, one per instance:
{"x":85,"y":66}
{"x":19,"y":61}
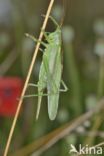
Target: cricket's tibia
{"x":38,"y":107}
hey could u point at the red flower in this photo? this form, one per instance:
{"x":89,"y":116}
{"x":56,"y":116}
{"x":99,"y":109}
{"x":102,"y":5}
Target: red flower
{"x":10,"y":90}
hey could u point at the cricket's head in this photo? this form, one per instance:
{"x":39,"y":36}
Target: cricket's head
{"x":55,"y":37}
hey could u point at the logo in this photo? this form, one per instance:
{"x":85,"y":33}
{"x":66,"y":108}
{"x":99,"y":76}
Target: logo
{"x":85,"y":150}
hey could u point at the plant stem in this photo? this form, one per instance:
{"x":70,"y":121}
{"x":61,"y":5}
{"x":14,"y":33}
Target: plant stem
{"x":99,"y":118}
{"x":101,"y":78}
{"x":73,"y":76}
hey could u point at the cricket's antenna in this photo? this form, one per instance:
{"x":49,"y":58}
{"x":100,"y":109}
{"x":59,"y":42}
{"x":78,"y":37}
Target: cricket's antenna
{"x":64,"y":13}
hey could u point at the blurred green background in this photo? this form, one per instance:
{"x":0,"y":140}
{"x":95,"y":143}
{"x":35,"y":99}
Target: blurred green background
{"x":83,"y":69}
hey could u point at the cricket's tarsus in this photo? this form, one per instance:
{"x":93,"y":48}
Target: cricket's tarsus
{"x":35,"y":39}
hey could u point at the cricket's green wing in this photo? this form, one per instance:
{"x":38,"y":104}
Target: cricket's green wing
{"x":54,"y":70}
{"x":53,"y":100}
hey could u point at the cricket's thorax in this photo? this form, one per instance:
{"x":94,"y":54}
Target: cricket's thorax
{"x":53,"y":50}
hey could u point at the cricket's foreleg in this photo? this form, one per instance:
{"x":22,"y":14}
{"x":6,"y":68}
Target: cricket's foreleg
{"x":35,"y":39}
{"x":53,"y":20}
{"x":65,"y":87}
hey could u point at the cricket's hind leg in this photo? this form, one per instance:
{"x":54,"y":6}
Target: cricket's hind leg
{"x":39,"y":95}
{"x":34,"y":95}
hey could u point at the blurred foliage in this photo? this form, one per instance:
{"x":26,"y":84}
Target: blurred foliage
{"x":83,"y":68}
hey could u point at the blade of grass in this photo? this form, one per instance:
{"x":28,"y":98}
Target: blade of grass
{"x":10,"y":59}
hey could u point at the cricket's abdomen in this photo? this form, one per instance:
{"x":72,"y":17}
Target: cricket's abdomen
{"x":53,"y":85}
